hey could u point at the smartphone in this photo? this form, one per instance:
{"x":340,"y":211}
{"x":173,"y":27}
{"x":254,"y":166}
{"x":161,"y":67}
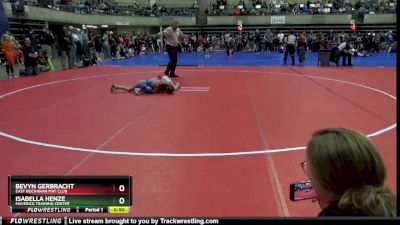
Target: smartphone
{"x":301,"y":191}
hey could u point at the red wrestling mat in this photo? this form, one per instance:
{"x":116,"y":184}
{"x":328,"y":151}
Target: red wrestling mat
{"x":227,"y":144}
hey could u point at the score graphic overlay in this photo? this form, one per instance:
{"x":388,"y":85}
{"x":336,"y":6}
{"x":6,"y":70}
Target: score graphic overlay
{"x":105,"y":221}
{"x":70,"y":194}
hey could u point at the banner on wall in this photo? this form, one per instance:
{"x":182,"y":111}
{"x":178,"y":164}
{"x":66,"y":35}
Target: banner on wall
{"x":240,"y":26}
{"x":277,"y":19}
{"x":123,"y":22}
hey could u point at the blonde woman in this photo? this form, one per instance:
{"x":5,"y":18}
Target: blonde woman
{"x":348,"y":174}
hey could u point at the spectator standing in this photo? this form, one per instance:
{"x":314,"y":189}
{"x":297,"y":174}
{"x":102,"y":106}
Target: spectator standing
{"x":231,"y":45}
{"x":252,"y":43}
{"x":73,"y":49}
{"x":30,"y":35}
{"x":309,"y":41}
{"x":106,"y":45}
{"x":269,"y":37}
{"x":84,"y":37}
{"x":46,"y":40}
{"x":258,"y":40}
{"x":227,"y":37}
{"x":302,"y":47}
{"x":200,"y":43}
{"x":280,"y":37}
{"x":65,"y":41}
{"x":98,"y":45}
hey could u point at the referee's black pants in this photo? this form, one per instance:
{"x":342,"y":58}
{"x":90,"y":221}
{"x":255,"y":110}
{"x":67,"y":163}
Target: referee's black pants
{"x":227,"y":48}
{"x":344,"y":56}
{"x":173,"y":59}
{"x":289,"y":49}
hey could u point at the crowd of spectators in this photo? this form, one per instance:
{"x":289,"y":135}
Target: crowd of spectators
{"x":134,"y":9}
{"x":102,"y":7}
{"x":264,"y":7}
{"x":274,"y":40}
{"x":80,"y":47}
{"x":221,"y":7}
{"x":123,"y":45}
{"x":83,"y":46}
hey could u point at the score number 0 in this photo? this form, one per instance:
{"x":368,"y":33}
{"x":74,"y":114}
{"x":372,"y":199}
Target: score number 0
{"x":121,"y":200}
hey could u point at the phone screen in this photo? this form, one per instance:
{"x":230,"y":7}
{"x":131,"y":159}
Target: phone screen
{"x":301,"y":191}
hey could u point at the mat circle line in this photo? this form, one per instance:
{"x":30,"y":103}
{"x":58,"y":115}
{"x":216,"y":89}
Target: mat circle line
{"x":212,"y":154}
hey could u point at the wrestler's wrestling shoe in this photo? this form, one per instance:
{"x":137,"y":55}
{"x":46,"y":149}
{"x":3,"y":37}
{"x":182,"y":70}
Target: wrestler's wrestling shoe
{"x":112,"y":88}
{"x":137,"y":91}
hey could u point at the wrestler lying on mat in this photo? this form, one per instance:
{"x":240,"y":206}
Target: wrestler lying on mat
{"x":159,"y":84}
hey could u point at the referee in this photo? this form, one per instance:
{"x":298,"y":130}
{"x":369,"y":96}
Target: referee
{"x":172,"y":35}
{"x":290,"y":47}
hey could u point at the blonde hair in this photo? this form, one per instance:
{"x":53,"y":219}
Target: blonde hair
{"x":5,"y":37}
{"x":166,"y":86}
{"x":346,"y":166}
{"x":368,"y":200}
{"x":170,"y":89}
